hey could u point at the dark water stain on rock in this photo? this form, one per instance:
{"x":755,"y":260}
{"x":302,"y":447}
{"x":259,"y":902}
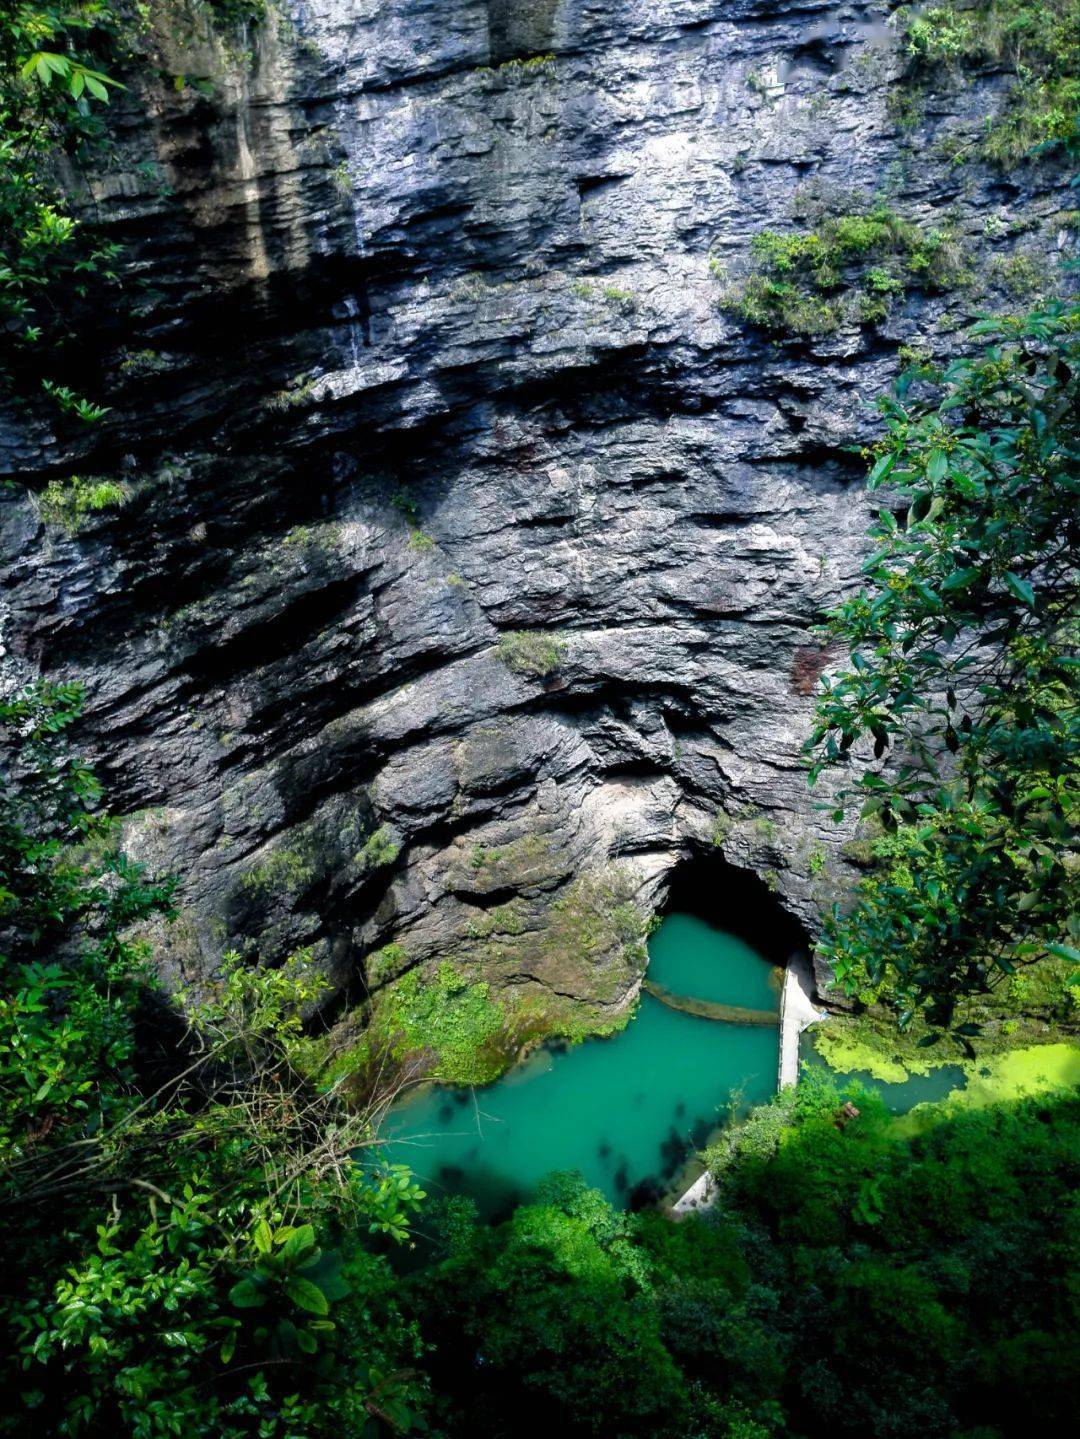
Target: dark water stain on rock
{"x":518,"y":29}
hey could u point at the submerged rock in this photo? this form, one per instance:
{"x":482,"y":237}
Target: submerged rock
{"x":709,"y":1009}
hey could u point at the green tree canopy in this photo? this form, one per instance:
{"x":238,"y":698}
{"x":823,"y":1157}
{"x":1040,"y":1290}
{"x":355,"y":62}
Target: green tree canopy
{"x":184,"y":1212}
{"x":957,"y":722}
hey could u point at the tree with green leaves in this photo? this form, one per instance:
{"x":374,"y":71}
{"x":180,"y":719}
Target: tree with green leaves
{"x":957,"y":722}
{"x":185,"y":1212}
{"x":51,"y":86}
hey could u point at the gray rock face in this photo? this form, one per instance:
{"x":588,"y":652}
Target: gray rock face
{"x":429,"y":353}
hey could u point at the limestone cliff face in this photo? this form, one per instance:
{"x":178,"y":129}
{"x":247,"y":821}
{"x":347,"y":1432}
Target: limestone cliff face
{"x":429,"y":352}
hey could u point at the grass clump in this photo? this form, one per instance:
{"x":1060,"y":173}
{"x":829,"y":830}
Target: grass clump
{"x":624,"y":300}
{"x":519,"y":65}
{"x":297,"y":393}
{"x":531,"y":652}
{"x":457,"y":1023}
{"x":68,"y":503}
{"x":285,"y":872}
{"x":613,"y":295}
{"x":1038,"y":43}
{"x":848,"y":270}
{"x":379,"y":850}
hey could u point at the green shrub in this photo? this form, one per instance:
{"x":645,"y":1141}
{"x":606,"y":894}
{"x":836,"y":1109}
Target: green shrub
{"x":975,"y":874}
{"x":845,"y":271}
{"x":531,"y":652}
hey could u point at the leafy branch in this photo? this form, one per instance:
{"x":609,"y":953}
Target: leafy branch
{"x":958,"y":721}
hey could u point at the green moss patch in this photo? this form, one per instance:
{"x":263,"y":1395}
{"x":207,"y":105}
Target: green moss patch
{"x":1011,"y":1059}
{"x":1020,"y":1074}
{"x":1035,"y":1006}
{"x":569,"y":978}
{"x":466,"y":1033}
{"x":848,"y":270}
{"x":848,"y":1052}
{"x":384,"y":964}
{"x":1037,"y":43}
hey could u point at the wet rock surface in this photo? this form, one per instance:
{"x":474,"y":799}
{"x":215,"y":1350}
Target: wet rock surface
{"x":429,"y":353}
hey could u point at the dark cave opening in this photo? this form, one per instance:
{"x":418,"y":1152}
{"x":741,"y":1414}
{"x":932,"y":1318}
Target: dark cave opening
{"x":739,"y":901}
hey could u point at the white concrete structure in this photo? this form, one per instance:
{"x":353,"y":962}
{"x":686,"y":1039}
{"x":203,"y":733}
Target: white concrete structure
{"x":796,"y":1013}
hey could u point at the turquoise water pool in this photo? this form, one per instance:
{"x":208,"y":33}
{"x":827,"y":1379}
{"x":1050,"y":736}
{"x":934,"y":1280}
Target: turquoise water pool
{"x":626,"y":1111}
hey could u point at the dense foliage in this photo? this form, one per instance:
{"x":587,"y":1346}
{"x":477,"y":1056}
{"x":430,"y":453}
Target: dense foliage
{"x":965,"y":676}
{"x":848,"y":269}
{"x":1036,"y":43}
{"x":187,"y":1226}
{"x":853,"y":1283}
{"x":185,"y":1217}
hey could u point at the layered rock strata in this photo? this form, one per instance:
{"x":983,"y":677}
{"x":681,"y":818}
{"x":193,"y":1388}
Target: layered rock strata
{"x":473,"y":553}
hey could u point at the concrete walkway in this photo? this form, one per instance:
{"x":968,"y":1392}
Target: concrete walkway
{"x":796,"y":1012}
{"x":699,"y":1196}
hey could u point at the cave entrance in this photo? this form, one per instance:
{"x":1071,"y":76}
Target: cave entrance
{"x":723,"y":943}
{"x":738,"y":901}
